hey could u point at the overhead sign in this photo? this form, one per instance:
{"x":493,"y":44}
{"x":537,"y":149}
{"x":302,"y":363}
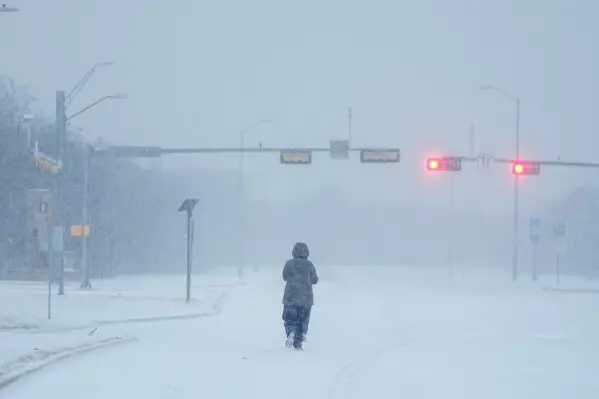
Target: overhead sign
{"x":339,"y":149}
{"x":380,"y":155}
{"x":535,"y":229}
{"x":296,"y":157}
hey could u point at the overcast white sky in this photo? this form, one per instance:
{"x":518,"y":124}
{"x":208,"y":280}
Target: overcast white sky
{"x":198,"y":71}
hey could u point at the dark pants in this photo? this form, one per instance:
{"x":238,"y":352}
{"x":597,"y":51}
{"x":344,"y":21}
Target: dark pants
{"x":296,"y":320}
{"x":307,"y":321}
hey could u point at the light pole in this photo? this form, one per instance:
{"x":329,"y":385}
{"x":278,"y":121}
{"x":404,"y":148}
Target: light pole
{"x":79,"y":86}
{"x":516,"y":101}
{"x":61,"y":144}
{"x":117,"y":96}
{"x":242,"y":133}
{"x":88,"y":151}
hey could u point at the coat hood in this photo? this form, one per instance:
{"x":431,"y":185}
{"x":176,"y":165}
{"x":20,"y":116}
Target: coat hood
{"x":300,"y":250}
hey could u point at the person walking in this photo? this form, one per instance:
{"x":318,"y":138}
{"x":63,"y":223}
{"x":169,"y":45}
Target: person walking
{"x":300,"y":276}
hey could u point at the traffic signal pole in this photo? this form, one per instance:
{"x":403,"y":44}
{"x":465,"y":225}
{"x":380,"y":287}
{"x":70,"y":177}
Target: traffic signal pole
{"x":516,"y":196}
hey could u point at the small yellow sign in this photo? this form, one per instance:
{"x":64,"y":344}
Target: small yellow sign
{"x":78,"y":230}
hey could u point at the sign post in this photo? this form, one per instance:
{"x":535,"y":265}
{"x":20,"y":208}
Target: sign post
{"x":559,"y":234}
{"x":187,"y":206}
{"x":535,"y":234}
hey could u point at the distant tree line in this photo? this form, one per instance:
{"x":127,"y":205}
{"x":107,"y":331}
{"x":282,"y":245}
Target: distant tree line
{"x":127,"y":203}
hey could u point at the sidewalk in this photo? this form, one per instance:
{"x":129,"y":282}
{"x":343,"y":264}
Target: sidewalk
{"x":84,"y":320}
{"x":122,"y":299}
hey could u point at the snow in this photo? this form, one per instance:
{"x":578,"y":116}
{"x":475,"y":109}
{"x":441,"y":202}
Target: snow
{"x":84,"y":320}
{"x":375,"y":332}
{"x":111,"y":300}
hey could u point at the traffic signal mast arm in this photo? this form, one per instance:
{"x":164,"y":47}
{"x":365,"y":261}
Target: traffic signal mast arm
{"x":264,"y":149}
{"x":293,"y":155}
{"x":550,"y":163}
{"x":450,"y":163}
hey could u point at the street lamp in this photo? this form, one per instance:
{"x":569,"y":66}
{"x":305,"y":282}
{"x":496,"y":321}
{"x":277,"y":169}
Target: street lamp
{"x":79,"y":86}
{"x":242,"y":133}
{"x":516,"y":101}
{"x":88,"y":152}
{"x":61,"y":144}
{"x":117,"y":96}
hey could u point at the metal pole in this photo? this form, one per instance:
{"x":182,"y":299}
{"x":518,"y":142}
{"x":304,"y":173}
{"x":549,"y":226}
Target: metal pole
{"x":349,"y":126}
{"x":50,"y":266}
{"x":60,"y":155}
{"x":472,"y":150}
{"x":84,"y":250}
{"x":516,"y":196}
{"x":188,"y":295}
{"x":450,"y":241}
{"x":557,"y":269}
{"x":534,"y":262}
{"x":240,"y":270}
{"x":28,"y":136}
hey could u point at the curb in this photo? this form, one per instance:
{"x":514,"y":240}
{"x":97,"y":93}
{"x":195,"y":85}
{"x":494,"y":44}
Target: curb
{"x":56,"y":356}
{"x":214,"y":310}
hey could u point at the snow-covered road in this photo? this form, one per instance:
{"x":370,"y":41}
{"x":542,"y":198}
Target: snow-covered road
{"x":374,"y":333}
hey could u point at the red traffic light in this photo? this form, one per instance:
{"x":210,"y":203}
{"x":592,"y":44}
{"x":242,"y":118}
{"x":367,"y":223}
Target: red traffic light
{"x":444,"y":164}
{"x":525,"y":168}
{"x":518,"y":168}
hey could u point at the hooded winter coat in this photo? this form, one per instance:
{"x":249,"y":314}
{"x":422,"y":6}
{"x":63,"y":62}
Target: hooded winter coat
{"x":300,"y":275}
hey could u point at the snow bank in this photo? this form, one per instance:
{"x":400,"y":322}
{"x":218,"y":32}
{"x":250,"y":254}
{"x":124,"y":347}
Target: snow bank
{"x":21,"y":356}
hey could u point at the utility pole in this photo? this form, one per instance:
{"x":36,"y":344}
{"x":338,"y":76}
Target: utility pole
{"x":59,"y":221}
{"x":61,"y":147}
{"x":451,"y":241}
{"x":86,"y":230}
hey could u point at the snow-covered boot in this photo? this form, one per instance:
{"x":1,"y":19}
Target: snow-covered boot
{"x":290,"y":339}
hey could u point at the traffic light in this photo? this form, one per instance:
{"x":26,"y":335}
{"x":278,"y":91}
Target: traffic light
{"x":446,"y":164}
{"x":521,"y":168}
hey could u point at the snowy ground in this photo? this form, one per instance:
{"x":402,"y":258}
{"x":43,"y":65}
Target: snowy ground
{"x":375,"y":332}
{"x":118,"y":299}
{"x":83,"y":320}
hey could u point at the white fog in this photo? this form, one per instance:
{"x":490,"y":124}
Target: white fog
{"x":472,"y":283}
